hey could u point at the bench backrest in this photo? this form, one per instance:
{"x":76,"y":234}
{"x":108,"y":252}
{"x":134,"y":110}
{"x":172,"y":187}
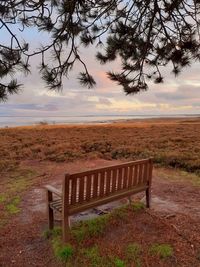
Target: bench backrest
{"x":86,"y":186}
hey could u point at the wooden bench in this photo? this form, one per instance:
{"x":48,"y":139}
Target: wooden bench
{"x":85,"y":190}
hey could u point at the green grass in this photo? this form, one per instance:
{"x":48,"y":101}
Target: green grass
{"x":18,"y":181}
{"x":119,"y":213}
{"x":92,"y":254}
{"x":162,"y":250}
{"x":119,"y":263}
{"x":96,"y":260}
{"x":179,"y":175}
{"x":55,"y":232}
{"x":12,"y":206}
{"x":2,"y":198}
{"x":133,"y":252}
{"x":90,"y":228}
{"x":62,"y":252}
{"x":95,"y":227}
{"x":83,"y":232}
{"x":12,"y":209}
{"x":138,"y":206}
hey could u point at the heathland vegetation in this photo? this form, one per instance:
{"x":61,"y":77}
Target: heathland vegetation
{"x":174,"y":143}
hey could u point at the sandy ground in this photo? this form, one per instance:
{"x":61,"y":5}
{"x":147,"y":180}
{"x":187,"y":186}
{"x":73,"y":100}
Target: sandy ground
{"x":175,"y":201}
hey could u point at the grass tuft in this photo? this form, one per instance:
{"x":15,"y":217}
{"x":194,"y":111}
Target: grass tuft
{"x":2,"y":198}
{"x":62,"y":252}
{"x":119,"y":263}
{"x":138,"y":206}
{"x":12,"y":207}
{"x":92,"y":254}
{"x":55,"y":232}
{"x":162,"y":250}
{"x":90,"y":228}
{"x":133,"y":251}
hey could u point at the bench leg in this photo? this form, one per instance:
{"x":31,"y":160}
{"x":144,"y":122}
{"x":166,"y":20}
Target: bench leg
{"x":65,"y":229}
{"x":50,"y":218}
{"x":129,"y":200}
{"x":148,"y":197}
{"x":50,"y":211}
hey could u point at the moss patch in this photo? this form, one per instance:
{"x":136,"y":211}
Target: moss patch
{"x":12,"y":207}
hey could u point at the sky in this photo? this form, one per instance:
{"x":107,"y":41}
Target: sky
{"x":179,"y":95}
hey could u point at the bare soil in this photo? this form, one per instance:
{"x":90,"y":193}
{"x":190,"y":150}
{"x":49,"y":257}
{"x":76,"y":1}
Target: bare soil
{"x":174,"y":218}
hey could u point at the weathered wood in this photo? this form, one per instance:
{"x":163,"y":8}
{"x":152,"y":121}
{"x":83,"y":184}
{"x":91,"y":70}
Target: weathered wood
{"x":106,"y":199}
{"x":131,"y":163}
{"x":149,"y":181}
{"x":50,"y":210}
{"x":89,"y":189}
{"x":74,"y":187}
{"x":108,"y":182}
{"x":130,"y":175}
{"x":135,"y":176}
{"x":95,"y":185}
{"x":65,"y":208}
{"x":102,"y":182}
{"x":114,"y":179}
{"x":139,"y":181}
{"x":53,"y":190}
{"x":125,"y":180}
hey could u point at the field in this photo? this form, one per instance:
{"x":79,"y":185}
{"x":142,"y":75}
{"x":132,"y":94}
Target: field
{"x":165,"y":236}
{"x":171,"y":142}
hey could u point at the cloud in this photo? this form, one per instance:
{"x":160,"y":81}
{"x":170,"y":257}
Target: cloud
{"x":184,"y":92}
{"x":175,"y":95}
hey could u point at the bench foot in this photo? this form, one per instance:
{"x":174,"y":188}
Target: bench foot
{"x":50,"y":218}
{"x":50,"y":214}
{"x":129,"y":200}
{"x":148,"y":197}
{"x":65,"y":229}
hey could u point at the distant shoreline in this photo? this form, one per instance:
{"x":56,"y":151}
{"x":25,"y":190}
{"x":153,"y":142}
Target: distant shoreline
{"x":98,"y":120}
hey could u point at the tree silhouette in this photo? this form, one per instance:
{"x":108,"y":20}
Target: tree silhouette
{"x":145,"y":35}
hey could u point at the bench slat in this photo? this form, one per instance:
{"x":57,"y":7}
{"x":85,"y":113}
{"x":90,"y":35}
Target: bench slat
{"x":114,"y":180}
{"x":131,"y":163}
{"x":139,"y":180}
{"x":88,"y":186}
{"x":95,"y":185}
{"x":130,"y":174}
{"x":119,"y":184}
{"x":81,"y":189}
{"x":108,"y":182}
{"x":125,"y":180}
{"x":134,"y":176}
{"x":74,"y":191}
{"x":100,"y":201}
{"x":145,"y":173}
{"x":102,"y":183}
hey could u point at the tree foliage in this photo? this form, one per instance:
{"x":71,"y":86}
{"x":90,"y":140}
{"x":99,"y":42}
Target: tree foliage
{"x":144,"y":35}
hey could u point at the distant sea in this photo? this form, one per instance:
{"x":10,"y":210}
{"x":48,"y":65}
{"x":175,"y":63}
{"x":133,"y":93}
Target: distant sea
{"x":12,"y":121}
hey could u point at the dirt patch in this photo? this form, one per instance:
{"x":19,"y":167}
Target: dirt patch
{"x":174,"y":218}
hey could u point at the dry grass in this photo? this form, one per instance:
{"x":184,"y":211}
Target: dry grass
{"x":174,"y":143}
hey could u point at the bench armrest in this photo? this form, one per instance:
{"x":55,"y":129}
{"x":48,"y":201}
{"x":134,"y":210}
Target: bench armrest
{"x":53,"y":190}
